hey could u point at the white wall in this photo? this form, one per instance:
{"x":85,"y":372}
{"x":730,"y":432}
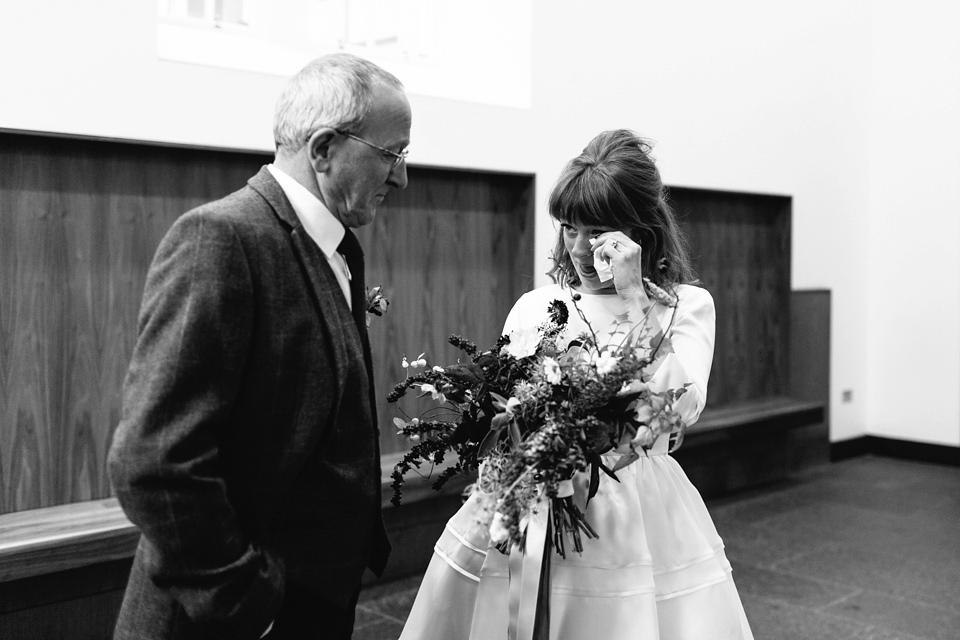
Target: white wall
{"x":914,"y":235}
{"x":847,"y":106}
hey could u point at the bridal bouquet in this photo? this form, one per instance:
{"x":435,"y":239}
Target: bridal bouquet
{"x":531,"y":411}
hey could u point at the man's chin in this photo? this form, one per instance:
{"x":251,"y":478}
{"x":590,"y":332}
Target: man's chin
{"x":362,"y":218}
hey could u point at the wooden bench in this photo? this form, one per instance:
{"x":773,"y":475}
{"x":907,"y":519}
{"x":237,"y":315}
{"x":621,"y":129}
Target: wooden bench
{"x":67,"y":565}
{"x":71,"y":536}
{"x":60,"y":538}
{"x":749,"y":444}
{"x":56,"y":539}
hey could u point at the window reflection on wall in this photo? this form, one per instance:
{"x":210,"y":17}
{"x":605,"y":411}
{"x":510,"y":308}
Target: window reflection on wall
{"x":474,"y":50}
{"x":206,"y":11}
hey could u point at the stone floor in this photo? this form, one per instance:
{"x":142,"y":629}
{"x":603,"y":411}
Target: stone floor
{"x":865,"y":549}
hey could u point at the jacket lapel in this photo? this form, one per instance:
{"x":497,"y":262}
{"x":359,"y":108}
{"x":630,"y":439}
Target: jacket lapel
{"x":326,"y":292}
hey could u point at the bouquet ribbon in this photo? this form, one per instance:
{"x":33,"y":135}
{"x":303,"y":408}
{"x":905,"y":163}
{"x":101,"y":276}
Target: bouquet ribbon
{"x":530,"y":572}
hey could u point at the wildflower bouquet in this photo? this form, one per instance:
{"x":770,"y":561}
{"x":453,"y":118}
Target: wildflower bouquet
{"x":532,"y":410}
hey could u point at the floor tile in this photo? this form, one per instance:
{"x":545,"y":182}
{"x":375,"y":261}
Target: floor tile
{"x":873,"y":484}
{"x":771,"y":620}
{"x":394,"y":604}
{"x":881,"y":540}
{"x":791,"y":589}
{"x":757,"y":507}
{"x":865,"y":549}
{"x":933,"y":584}
{"x":762,"y":546}
{"x":899,"y":616}
{"x":379,"y":590}
{"x":364,"y":616}
{"x":879,"y":633}
{"x":378,"y":630}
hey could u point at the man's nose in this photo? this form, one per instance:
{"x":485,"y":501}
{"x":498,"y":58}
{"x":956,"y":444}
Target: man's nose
{"x":398,"y":176}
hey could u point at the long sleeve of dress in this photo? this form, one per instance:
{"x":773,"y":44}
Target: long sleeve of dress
{"x":691,"y":337}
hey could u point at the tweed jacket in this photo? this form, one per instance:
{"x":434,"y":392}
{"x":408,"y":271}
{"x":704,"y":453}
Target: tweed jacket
{"x":247,"y":451}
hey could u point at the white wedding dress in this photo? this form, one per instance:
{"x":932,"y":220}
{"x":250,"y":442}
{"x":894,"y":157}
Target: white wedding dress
{"x":657,"y":571}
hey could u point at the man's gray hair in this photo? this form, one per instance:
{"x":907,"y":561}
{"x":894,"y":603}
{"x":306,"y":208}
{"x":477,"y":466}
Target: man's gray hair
{"x":332,"y":91}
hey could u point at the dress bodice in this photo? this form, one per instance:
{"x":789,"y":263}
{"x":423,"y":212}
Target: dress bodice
{"x":690,"y":328}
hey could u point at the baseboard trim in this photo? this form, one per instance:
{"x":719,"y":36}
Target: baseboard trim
{"x":892,"y":448}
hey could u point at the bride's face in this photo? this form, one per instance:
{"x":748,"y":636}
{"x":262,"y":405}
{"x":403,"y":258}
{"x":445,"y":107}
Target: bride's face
{"x":576,"y":240}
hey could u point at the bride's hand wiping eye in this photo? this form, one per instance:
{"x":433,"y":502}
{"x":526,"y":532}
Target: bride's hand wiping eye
{"x":625,"y":256}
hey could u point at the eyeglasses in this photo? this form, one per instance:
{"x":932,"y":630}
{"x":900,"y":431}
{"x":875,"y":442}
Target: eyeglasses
{"x":395,"y":158}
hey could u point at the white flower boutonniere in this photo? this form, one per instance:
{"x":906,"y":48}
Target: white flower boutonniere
{"x":376,"y":303}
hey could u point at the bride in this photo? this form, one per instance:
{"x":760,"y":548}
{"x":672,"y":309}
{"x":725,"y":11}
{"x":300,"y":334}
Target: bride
{"x":657,"y":569}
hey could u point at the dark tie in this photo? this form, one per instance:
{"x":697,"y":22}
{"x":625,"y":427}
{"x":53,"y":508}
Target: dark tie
{"x":350,"y":249}
{"x":353,"y":253}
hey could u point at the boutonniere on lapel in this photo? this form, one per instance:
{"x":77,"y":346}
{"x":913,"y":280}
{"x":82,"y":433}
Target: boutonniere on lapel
{"x":376,"y":303}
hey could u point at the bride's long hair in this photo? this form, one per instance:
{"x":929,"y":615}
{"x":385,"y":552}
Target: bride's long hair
{"x":615,"y":183}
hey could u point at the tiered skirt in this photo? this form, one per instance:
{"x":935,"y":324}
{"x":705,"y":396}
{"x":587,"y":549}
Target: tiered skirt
{"x":657,"y":572}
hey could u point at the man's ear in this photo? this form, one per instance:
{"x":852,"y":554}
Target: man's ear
{"x":321,"y":147}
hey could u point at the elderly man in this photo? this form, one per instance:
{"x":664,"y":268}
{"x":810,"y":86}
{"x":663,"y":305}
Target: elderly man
{"x":247,"y":453}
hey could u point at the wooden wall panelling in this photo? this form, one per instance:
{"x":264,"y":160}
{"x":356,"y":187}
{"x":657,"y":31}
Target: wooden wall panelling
{"x":741,"y":250}
{"x":810,"y":372}
{"x":453,"y":252}
{"x":765,"y":415}
{"x":79,"y":223}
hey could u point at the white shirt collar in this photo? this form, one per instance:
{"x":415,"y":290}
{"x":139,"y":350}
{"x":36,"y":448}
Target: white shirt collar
{"x":321,"y":225}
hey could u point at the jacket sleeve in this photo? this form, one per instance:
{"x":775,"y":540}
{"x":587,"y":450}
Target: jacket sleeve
{"x":691,"y":336}
{"x":195,"y":328}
